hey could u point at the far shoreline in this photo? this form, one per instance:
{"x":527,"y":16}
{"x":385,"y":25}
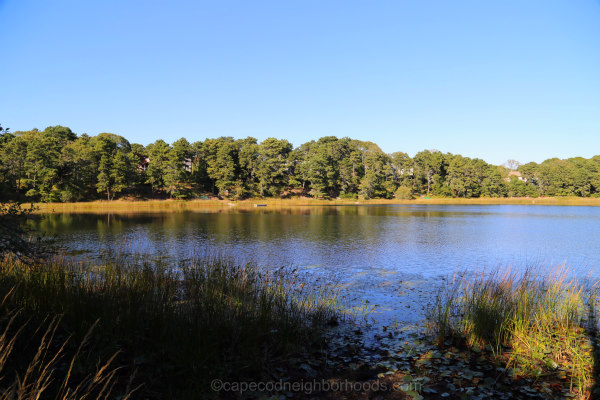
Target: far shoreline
{"x":213,"y":204}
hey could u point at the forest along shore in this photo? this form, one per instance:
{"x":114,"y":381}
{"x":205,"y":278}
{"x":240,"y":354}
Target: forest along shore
{"x":58,"y":165}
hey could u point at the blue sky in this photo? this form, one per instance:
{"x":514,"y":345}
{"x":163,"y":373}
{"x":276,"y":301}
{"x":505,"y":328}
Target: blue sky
{"x":489,"y":79}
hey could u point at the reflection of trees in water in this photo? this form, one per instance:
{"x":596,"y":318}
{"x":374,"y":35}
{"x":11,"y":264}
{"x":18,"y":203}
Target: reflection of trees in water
{"x":272,"y":231}
{"x":338,"y":227}
{"x":424,"y":238}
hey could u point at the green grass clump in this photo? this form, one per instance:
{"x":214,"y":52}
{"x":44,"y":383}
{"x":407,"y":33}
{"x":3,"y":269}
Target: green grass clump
{"x":174,"y":327}
{"x":540,"y":326}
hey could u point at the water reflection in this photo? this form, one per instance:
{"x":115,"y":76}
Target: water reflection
{"x":422,"y":240}
{"x":356,"y":243}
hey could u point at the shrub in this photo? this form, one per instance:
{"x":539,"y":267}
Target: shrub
{"x":14,"y":239}
{"x":404,"y":193}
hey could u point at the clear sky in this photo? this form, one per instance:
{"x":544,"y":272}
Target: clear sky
{"x":483,"y":78}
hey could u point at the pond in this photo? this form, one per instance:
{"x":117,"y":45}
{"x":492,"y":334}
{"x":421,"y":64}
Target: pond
{"x":389,"y":257}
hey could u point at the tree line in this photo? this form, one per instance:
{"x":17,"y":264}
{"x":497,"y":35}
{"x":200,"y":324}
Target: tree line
{"x":57,"y":165}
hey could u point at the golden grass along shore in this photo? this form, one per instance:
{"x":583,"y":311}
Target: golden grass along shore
{"x":215,"y":204}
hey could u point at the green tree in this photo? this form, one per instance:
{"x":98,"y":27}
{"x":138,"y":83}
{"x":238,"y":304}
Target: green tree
{"x":318,"y":165}
{"x":80,"y":169}
{"x":12,"y":156}
{"x":199,"y":175}
{"x":5,"y":137}
{"x":222,"y":165}
{"x":247,"y":175}
{"x":378,"y":178}
{"x":403,"y":168}
{"x":178,"y":169}
{"x":159,"y":155}
{"x":273,"y":166}
{"x":43,"y":161}
{"x":138,"y":177}
{"x":429,"y":169}
{"x":114,"y":163}
{"x":555,"y":178}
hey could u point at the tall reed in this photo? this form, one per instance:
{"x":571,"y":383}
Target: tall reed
{"x":178,"y":326}
{"x":536,"y":322}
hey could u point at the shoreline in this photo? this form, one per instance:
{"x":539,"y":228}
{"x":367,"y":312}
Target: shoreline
{"x":215,"y":204}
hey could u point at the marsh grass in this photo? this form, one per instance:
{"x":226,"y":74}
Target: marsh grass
{"x":33,"y":365}
{"x":539,"y":324}
{"x":215,"y":205}
{"x":175,"y":327}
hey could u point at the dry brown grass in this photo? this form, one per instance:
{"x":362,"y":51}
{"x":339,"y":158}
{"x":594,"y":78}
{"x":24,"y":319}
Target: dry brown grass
{"x":217,"y":205}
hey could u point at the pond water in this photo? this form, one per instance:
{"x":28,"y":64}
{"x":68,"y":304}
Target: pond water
{"x":391,"y":257}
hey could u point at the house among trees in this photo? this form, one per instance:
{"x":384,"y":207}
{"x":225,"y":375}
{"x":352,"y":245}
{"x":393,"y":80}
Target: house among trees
{"x":517,"y":175}
{"x":143,"y":164}
{"x":145,"y":161}
{"x":187,"y":164}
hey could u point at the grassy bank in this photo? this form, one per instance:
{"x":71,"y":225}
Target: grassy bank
{"x":537,"y":326}
{"x":215,"y":205}
{"x":169,"y":331}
